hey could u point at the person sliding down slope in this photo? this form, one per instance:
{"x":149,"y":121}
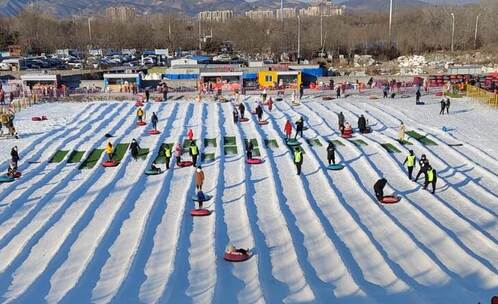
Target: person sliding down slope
{"x":178,"y":153}
{"x":298,"y":159}
{"x":249,"y":149}
{"x":109,"y":150}
{"x":134,"y":148}
{"x":154,"y":120}
{"x":259,"y":112}
{"x":14,"y":156}
{"x":199,"y":178}
{"x":410,"y":161}
{"x":201,"y":198}
{"x":12,"y":170}
{"x":233,"y":249}
{"x":154,"y":168}
{"x":423,"y":163}
{"x":288,"y":129}
{"x":331,"y":153}
{"x":194,"y":151}
{"x":430,"y":178}
{"x":379,"y":188}
{"x":140,"y":114}
{"x":299,"y":127}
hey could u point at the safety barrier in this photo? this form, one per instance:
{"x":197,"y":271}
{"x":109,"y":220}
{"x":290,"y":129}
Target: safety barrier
{"x":482,"y":95}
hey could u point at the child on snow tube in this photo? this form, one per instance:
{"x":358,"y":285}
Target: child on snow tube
{"x":154,"y":168}
{"x":231,"y":250}
{"x":12,"y":169}
{"x":201,"y":197}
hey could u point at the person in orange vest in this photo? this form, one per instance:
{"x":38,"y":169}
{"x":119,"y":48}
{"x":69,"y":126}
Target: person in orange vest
{"x":288,"y":129}
{"x":270,"y":104}
{"x":190,"y":134}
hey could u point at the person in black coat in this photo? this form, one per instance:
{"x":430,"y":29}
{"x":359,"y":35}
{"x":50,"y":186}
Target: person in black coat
{"x":135,"y":149}
{"x":447,"y":105}
{"x":299,"y":127}
{"x":242,"y":110}
{"x":235,"y":116}
{"x":154,"y":120}
{"x":423,"y":165}
{"x":341,"y":119}
{"x":338,"y":92}
{"x":259,"y":112}
{"x":430,"y":178}
{"x":14,"y":154}
{"x":362,"y":124}
{"x":331,"y":153}
{"x":249,"y":149}
{"x":417,"y":97}
{"x":147,"y":95}
{"x":301,"y":91}
{"x":379,"y":188}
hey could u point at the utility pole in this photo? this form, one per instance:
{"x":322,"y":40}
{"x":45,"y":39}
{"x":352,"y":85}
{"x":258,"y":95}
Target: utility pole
{"x":475,"y":33}
{"x":298,"y":37}
{"x":200,"y":34}
{"x":452,"y":32}
{"x":321,"y":31}
{"x":282,"y":10}
{"x":390,"y":21}
{"x":90,"y":29}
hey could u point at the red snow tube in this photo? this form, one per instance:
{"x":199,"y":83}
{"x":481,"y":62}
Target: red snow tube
{"x":254,"y":161}
{"x":236,"y":256}
{"x":494,"y":300}
{"x":439,"y":94}
{"x":110,"y":163}
{"x":345,"y":135}
{"x":327,"y":98}
{"x":185,"y":163}
{"x":139,"y":104}
{"x":141,"y":123}
{"x":245,"y":119}
{"x":200,"y":212}
{"x":17,"y":174}
{"x":36,"y":118}
{"x":263,"y":122}
{"x":390,"y":199}
{"x":154,"y":132}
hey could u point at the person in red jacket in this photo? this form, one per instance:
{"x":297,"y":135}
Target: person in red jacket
{"x":190,"y":134}
{"x":270,"y":104}
{"x":288,"y":129}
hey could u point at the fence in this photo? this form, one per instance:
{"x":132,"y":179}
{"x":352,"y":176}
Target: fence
{"x":482,"y":95}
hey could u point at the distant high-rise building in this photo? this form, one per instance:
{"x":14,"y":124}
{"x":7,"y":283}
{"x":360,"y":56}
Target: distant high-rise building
{"x":286,"y":12}
{"x":121,"y":13}
{"x":322,"y":8}
{"x":219,"y":16}
{"x":260,"y":14}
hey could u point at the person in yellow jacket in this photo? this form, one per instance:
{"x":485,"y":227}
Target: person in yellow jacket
{"x":109,"y":150}
{"x":140,"y":114}
{"x":430,"y":178}
{"x":298,"y":159}
{"x":410,"y":162}
{"x":167,"y":155}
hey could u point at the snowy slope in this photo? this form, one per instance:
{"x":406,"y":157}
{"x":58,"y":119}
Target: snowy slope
{"x":115,"y":235}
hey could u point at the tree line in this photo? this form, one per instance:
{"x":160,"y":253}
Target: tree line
{"x":415,"y":30}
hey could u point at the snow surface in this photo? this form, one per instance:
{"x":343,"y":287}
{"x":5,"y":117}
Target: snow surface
{"x":118,"y":236}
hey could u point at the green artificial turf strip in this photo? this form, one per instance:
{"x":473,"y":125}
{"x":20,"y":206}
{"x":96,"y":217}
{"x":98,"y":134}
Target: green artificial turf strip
{"x":142,"y":153}
{"x":59,"y":156}
{"x":92,"y":159}
{"x":186,"y":143}
{"x":390,"y":148}
{"x":338,"y":142}
{"x":271,"y":143}
{"x":229,"y":141}
{"x":210,"y":142}
{"x":230,"y":150}
{"x":359,"y":142}
{"x":208,"y":157}
{"x":75,"y":157}
{"x":314,"y":142}
{"x":421,"y":138}
{"x":253,"y":140}
{"x":119,"y":151}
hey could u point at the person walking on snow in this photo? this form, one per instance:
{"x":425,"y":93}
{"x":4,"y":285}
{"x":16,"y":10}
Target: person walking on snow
{"x":401,"y":134}
{"x":135,"y":149}
{"x":331,"y":153}
{"x":194,"y":151}
{"x":199,"y":178}
{"x":270,"y":104}
{"x":298,"y":159}
{"x":147,"y":95}
{"x":443,"y":106}
{"x":249,"y":149}
{"x":301,"y":91}
{"x":362,"y":124}
{"x":430,"y":178}
{"x":242,"y":110}
{"x":259,"y":112}
{"x":338,"y":92}
{"x":341,"y":119}
{"x":109,"y":150}
{"x":379,"y":188}
{"x":288,"y":129}
{"x":167,"y":155}
{"x":299,"y":127}
{"x":235,"y":116}
{"x":154,"y":120}
{"x":447,"y":103}
{"x":423,"y":164}
{"x":417,"y":97}
{"x":190,"y":134}
{"x":410,"y":162}
{"x":178,"y":153}
{"x":14,"y":155}
{"x":140,"y":114}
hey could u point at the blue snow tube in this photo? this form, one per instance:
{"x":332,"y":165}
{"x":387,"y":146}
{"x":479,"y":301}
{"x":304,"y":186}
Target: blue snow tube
{"x":153,"y":172}
{"x":6,"y":179}
{"x":207,"y":197}
{"x":293,"y":142}
{"x":335,"y":167}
